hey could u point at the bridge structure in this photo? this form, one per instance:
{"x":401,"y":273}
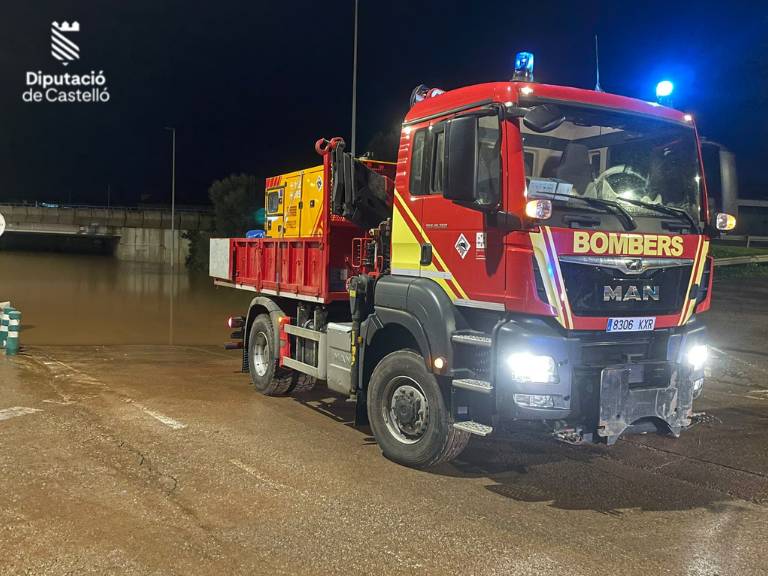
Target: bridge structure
{"x":135,"y":234}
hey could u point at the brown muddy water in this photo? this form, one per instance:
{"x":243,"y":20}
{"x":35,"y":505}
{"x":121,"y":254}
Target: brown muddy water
{"x":90,"y":299}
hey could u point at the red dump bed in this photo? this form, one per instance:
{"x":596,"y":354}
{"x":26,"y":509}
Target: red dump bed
{"x":306,"y":268}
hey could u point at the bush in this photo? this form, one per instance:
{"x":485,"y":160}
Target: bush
{"x":236,"y":201}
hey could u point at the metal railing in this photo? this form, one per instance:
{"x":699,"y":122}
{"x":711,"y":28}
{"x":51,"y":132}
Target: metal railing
{"x":123,"y":217}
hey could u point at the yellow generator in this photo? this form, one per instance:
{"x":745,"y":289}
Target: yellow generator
{"x":294,"y":204}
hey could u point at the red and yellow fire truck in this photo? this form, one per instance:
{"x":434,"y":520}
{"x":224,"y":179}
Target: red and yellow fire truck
{"x":537,"y":253}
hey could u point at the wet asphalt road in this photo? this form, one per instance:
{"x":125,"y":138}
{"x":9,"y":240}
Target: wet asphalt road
{"x":162,"y":460}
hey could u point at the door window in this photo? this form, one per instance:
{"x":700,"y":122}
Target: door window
{"x":438,"y":154}
{"x":417,"y":162}
{"x":273,"y":201}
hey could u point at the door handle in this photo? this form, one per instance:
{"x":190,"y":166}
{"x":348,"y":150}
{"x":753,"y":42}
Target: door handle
{"x":426,"y":255}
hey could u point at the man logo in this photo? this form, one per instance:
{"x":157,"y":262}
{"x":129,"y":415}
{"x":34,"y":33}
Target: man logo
{"x":635,"y":264}
{"x":625,"y":294}
{"x":62,"y":48}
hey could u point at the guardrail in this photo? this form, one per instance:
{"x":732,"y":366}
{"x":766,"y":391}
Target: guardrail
{"x":115,"y":217}
{"x":743,"y":238}
{"x":733,"y":261}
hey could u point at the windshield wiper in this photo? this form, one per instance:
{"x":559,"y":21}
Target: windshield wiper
{"x":664,"y":210}
{"x":607,"y":205}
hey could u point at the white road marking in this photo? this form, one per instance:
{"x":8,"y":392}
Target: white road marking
{"x":79,"y":377}
{"x":253,"y":472}
{"x":75,"y":376}
{"x":8,"y":413}
{"x":162,"y":418}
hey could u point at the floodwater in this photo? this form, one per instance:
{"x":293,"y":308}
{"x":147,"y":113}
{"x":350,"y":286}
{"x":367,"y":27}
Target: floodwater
{"x":92,"y":299}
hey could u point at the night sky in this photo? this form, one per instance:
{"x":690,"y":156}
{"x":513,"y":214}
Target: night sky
{"x":251,"y":85}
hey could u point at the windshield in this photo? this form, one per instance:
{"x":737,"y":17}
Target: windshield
{"x":614,"y":156}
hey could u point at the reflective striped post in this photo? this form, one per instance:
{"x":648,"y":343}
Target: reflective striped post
{"x":14,"y":322}
{"x":3,"y":326}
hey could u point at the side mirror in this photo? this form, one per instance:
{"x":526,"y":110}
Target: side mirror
{"x":472,"y":161}
{"x":725,"y":222}
{"x":461,"y":160}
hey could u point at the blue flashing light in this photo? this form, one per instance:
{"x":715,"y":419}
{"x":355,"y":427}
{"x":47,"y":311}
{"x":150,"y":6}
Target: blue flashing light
{"x":664,"y":89}
{"x":523,"y":67}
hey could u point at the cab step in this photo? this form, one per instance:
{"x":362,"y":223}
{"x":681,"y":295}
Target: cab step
{"x":472,"y":338}
{"x":481,"y":386}
{"x":473,"y":427}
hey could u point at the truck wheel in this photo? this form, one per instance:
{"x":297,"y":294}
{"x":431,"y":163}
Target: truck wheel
{"x":267,"y":376}
{"x":408,"y":415}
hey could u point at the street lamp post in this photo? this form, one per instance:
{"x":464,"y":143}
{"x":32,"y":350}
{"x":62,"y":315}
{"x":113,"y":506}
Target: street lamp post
{"x":173,"y":230}
{"x":173,"y":194}
{"x":354,"y":87}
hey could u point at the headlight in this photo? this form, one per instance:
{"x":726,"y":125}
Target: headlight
{"x":525,"y":367}
{"x":697,"y":356}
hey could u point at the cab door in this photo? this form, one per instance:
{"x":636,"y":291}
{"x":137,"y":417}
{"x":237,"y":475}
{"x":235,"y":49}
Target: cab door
{"x":466,"y":252}
{"x":291,"y":205}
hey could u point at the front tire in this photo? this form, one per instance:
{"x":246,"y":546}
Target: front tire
{"x":408,"y":414}
{"x":267,"y":375}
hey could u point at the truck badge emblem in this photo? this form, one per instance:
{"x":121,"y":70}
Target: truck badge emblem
{"x":634,"y":264}
{"x":462,"y":246}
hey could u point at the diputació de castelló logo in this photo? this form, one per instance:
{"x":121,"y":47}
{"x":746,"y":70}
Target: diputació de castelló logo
{"x":90,"y":87}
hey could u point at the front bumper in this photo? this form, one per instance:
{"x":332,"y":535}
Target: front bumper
{"x":605,"y":381}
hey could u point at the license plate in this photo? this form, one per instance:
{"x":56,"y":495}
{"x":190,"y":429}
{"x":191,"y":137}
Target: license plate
{"x":635,"y":324}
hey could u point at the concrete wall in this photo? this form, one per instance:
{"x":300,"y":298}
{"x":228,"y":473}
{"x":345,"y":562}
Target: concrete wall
{"x":150,"y":245}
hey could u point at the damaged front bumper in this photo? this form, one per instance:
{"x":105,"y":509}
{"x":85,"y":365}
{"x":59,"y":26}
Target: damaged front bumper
{"x":605,"y":383}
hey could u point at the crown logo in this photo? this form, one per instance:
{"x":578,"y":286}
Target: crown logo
{"x":67,"y":27}
{"x":62,"y":47}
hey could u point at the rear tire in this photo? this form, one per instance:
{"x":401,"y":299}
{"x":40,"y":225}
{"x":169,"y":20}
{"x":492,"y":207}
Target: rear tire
{"x":267,"y":375}
{"x":408,"y":415}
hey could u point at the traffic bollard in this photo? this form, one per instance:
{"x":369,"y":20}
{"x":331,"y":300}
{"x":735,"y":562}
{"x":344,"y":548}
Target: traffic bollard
{"x":14,"y":323}
{"x":3,"y":326}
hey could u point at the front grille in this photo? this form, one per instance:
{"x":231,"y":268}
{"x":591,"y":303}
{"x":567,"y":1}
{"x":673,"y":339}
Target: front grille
{"x":621,"y":348}
{"x":585,"y":285}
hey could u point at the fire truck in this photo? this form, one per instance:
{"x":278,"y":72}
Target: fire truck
{"x":536,"y":253}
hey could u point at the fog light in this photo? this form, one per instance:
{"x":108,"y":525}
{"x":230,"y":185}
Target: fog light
{"x":235,"y":322}
{"x":697,"y":356}
{"x":439,"y":363}
{"x":525,"y":367}
{"x":535,"y":400}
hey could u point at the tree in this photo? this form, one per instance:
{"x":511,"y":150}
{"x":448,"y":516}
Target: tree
{"x":236,"y":201}
{"x":384,"y":144}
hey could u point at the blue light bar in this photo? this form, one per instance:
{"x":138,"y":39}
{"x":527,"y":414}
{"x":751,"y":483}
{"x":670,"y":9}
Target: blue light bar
{"x":523,"y":67}
{"x":664,"y":89}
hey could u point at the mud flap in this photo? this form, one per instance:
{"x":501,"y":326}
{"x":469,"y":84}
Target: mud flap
{"x":624,"y":400}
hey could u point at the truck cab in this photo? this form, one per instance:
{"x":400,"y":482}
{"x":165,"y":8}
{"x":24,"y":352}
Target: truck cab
{"x":579,"y":220}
